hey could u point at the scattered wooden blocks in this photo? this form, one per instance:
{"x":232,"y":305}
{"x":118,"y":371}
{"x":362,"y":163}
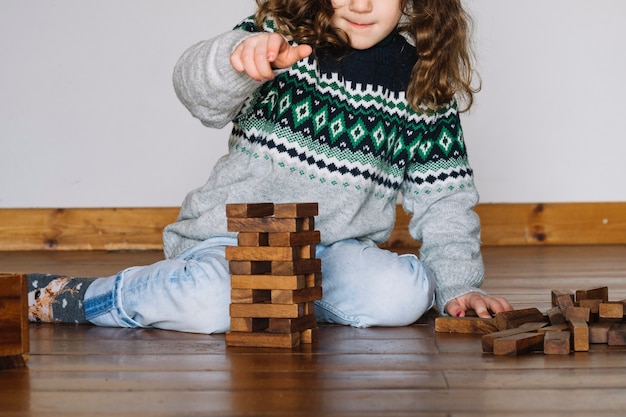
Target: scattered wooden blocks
{"x":275,"y":277}
{"x":575,"y":321}
{"x":14,"y":342}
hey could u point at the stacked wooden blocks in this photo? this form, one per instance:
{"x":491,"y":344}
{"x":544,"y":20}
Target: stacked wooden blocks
{"x":575,"y":321}
{"x":275,"y":276}
{"x":14,"y":342}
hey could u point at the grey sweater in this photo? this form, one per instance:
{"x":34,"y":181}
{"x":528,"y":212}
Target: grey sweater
{"x":340,"y":133}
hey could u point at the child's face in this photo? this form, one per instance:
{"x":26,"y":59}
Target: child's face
{"x":366,"y":22}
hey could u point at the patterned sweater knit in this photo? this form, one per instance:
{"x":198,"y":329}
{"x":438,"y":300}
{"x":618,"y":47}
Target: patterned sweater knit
{"x":340,"y":133}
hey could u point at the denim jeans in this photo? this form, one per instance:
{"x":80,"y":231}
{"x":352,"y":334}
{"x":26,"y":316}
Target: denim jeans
{"x":363,"y":286}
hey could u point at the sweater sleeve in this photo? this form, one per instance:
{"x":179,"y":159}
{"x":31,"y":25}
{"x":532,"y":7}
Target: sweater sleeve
{"x":207,"y":84}
{"x":439,"y":193}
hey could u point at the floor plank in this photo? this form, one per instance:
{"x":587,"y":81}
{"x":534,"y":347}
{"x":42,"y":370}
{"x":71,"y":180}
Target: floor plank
{"x":78,"y":370}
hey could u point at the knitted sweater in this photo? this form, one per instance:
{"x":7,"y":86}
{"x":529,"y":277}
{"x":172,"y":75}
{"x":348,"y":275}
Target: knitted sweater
{"x":340,"y":133}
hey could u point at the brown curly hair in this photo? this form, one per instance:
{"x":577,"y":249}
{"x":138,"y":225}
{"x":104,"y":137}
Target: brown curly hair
{"x":440,"y":29}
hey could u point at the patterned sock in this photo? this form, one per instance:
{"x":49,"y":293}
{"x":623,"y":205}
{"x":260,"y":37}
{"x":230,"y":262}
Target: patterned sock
{"x":56,"y":298}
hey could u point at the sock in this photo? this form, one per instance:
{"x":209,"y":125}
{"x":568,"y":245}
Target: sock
{"x":56,"y":298}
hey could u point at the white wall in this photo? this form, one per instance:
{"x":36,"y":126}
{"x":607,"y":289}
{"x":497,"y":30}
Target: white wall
{"x":88,"y":116}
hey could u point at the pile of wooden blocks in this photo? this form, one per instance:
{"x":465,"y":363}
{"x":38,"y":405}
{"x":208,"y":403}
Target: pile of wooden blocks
{"x":14,"y":342}
{"x":275,"y":275}
{"x":575,"y":321}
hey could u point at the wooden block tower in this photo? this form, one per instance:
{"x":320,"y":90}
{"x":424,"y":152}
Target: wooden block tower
{"x":14,"y":342}
{"x":275,"y":276}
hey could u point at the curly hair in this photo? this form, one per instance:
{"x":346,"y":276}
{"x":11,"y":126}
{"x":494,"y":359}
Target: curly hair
{"x":440,"y":29}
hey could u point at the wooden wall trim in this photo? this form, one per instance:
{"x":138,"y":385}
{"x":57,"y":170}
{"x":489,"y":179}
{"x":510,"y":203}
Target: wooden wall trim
{"x":141,"y":228}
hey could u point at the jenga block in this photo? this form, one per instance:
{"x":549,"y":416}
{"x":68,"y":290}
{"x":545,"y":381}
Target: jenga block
{"x":249,"y":210}
{"x":562,"y":299}
{"x":304,"y":295}
{"x":557,"y":343}
{"x":247,"y":296}
{"x":518,"y":344}
{"x":250,"y":268}
{"x":307,"y":237}
{"x":599,"y":332}
{"x":617,"y":335}
{"x":611,"y":310}
{"x":298,"y":267}
{"x":554,"y":328}
{"x":262,"y":253}
{"x":464,"y":325}
{"x":601,"y":293}
{"x":309,"y":336}
{"x":14,"y":337}
{"x":292,"y":325}
{"x":263,"y":339}
{"x":247,"y":324}
{"x":295,"y":210}
{"x":267,"y":225}
{"x":555,"y":316}
{"x":515,"y":318}
{"x":577,"y":313}
{"x":253,"y":239}
{"x":281,"y":311}
{"x":269,"y":282}
{"x":580,"y":331}
{"x":487,"y":340}
{"x":313,"y":280}
{"x":593,"y":304}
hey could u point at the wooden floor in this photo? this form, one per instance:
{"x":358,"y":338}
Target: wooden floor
{"x":410,"y":371}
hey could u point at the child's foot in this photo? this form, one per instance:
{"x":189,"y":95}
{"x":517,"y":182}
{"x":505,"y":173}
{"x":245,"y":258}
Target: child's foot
{"x":56,"y":298}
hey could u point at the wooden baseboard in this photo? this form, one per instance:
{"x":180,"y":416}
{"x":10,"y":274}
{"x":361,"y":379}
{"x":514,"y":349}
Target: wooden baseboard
{"x":141,"y":228}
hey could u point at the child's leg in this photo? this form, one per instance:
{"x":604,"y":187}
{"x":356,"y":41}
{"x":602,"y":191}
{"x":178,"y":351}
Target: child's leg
{"x":190,"y":293}
{"x":364,"y":285}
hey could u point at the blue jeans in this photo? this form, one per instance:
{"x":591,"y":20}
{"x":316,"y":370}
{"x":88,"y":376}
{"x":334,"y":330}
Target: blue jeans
{"x":363,"y":286}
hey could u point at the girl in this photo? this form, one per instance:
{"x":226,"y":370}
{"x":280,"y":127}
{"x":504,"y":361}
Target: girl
{"x":347,"y":103}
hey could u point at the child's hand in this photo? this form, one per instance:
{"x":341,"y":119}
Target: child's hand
{"x":259,"y":55}
{"x":482,"y":304}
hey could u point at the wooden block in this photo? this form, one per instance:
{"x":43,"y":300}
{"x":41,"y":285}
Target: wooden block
{"x":617,"y":335}
{"x":298,"y":267}
{"x":304,"y":295}
{"x":611,"y":310}
{"x":247,"y":324}
{"x":14,"y":337}
{"x":556,"y":316}
{"x":518,"y":344}
{"x":248,"y":296}
{"x":599,"y":332}
{"x":307,"y":237}
{"x":577,"y":313}
{"x":262,"y":339}
{"x":554,"y":328}
{"x":267,"y":225}
{"x":557,"y":343}
{"x":309,"y":336}
{"x":252,"y":239}
{"x":313,"y":280}
{"x":249,"y":267}
{"x":249,"y":210}
{"x":580,"y":332}
{"x":269,"y":282}
{"x":601,"y":293}
{"x":464,"y":325}
{"x":261,"y":253}
{"x":295,"y":210}
{"x":593,"y":304}
{"x":292,"y":325}
{"x":562,"y":299}
{"x":280,"y":311}
{"x":487,"y":340}
{"x":515,"y":318}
